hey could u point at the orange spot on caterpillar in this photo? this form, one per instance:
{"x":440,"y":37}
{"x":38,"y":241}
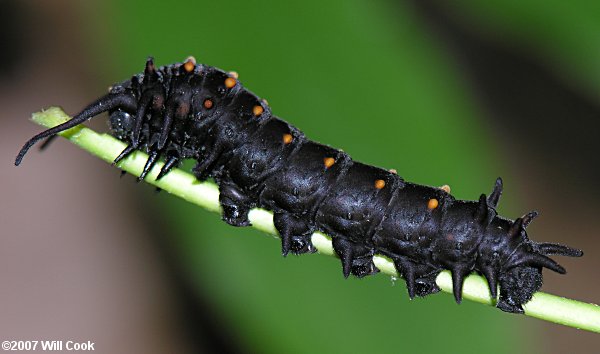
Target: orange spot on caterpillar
{"x":432,"y":204}
{"x":230,"y":82}
{"x":208,"y":103}
{"x":287,"y":138}
{"x":190,"y":64}
{"x":329,"y":161}
{"x":257,"y":110}
{"x":379,"y":184}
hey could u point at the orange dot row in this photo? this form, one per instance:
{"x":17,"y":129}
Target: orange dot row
{"x":329,"y":161}
{"x":256,"y":110}
{"x":230,"y":82}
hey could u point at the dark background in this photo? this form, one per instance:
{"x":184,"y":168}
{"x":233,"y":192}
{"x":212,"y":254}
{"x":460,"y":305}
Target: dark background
{"x":446,"y":94}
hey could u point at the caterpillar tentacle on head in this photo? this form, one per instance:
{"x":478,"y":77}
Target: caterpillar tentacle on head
{"x":194,"y":111}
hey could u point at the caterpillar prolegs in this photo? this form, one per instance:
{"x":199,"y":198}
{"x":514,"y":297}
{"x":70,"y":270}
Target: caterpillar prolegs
{"x":194,"y":111}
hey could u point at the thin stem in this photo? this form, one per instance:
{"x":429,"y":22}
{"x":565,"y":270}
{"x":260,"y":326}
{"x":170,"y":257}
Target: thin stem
{"x":544,"y":306}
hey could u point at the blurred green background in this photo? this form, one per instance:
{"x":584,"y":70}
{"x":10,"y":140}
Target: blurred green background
{"x":446,"y":94}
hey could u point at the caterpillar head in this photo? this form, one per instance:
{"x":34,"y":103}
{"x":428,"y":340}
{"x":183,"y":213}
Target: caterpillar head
{"x":508,"y":257}
{"x":121,"y":124}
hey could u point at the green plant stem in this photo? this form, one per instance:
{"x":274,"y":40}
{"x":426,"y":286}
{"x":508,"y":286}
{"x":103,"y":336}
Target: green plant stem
{"x":206,"y":194}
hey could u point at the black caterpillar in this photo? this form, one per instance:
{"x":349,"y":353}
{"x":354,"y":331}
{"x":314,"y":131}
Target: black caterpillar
{"x":194,"y":111}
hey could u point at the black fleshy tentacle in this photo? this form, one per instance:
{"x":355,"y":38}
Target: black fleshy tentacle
{"x":152,"y":160}
{"x":168,"y":166}
{"x":548,"y":249}
{"x":407,"y":270}
{"x":459,"y":273}
{"x":528,"y":218}
{"x":126,"y":152}
{"x":140,"y":116}
{"x":108,"y":102}
{"x":490,"y":275}
{"x":494,"y":197}
{"x":539,"y":260}
{"x":356,"y":258}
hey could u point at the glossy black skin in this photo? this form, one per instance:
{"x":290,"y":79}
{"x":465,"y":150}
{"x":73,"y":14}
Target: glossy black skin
{"x":162,"y":111}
